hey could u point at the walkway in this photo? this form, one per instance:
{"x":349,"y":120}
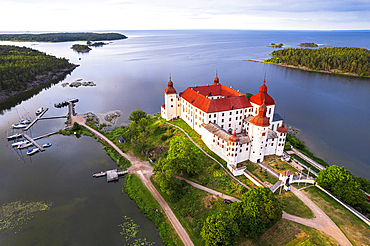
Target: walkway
{"x":222,"y":195}
{"x":232,"y":176}
{"x":321,"y":221}
{"x":144,"y":171}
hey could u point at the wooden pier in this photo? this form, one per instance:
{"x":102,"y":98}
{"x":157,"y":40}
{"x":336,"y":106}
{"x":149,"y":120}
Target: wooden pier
{"x":31,"y":140}
{"x":111,"y":174}
{"x":36,"y":119}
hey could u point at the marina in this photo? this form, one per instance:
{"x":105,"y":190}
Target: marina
{"x":33,"y":142}
{"x":44,"y":110}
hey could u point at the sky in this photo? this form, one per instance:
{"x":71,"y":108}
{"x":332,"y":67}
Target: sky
{"x":89,"y":15}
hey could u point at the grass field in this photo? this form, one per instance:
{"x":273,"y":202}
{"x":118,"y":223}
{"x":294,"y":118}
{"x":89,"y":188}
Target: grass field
{"x":258,"y":172}
{"x":355,"y":229}
{"x":293,"y":205}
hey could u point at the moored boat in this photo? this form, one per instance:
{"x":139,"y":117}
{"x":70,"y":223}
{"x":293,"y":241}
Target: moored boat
{"x":18,"y":135}
{"x":25,"y":145}
{"x":46,"y":145}
{"x":25,"y":122}
{"x":19,"y":142}
{"x":32,"y":151}
{"x":39,"y":111}
{"x":19,"y":126}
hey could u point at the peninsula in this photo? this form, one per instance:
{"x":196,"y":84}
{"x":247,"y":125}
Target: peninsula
{"x":62,"y":37}
{"x":338,"y":60}
{"x":24,"y":69}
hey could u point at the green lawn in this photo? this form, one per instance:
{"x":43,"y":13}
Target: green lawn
{"x":258,"y":172}
{"x":293,"y":205}
{"x":277,"y":164}
{"x":354,"y":228}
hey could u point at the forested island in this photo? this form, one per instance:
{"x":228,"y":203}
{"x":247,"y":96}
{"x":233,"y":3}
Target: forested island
{"x":276,"y":45}
{"x":86,"y":48}
{"x":62,"y":37}
{"x":308,"y":45}
{"x":22,"y":69}
{"x":341,"y":60}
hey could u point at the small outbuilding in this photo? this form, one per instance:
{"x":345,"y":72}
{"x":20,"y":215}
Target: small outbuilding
{"x":122,"y":139}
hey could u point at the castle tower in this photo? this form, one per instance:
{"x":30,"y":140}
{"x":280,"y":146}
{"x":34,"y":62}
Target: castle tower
{"x":258,"y":133}
{"x":259,"y":98}
{"x":232,"y":150}
{"x":169,"y":109}
{"x":282,"y":131}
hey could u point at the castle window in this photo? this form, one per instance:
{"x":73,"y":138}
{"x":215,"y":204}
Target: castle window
{"x":240,"y":151}
{"x":269,"y":110}
{"x":236,"y":154}
{"x":171,"y":106}
{"x":245,"y":110}
{"x":240,"y":123}
{"x":214,"y":121}
{"x":246,"y":149}
{"x":263,"y":134}
{"x":241,"y":111}
{"x":214,"y":115}
{"x":222,"y":126}
{"x":229,"y":119}
{"x":229,"y":125}
{"x":222,"y":120}
{"x":236,"y":112}
{"x":171,"y":99}
{"x":240,"y":117}
{"x":214,"y":140}
{"x":266,"y":145}
{"x":231,"y":113}
{"x":223,"y":114}
{"x":236,"y":118}
{"x":272,"y":144}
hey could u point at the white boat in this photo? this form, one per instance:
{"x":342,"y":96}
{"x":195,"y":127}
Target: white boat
{"x":18,"y":126}
{"x":18,"y":135}
{"x":25,"y":145}
{"x":20,"y":142}
{"x":25,"y":122}
{"x":46,"y":145}
{"x":39,"y":111}
{"x":32,"y":151}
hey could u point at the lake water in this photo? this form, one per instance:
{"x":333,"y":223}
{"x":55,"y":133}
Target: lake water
{"x":331,"y":112}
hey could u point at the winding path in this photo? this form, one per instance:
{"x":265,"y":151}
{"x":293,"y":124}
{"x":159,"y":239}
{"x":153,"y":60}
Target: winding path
{"x":144,"y":171}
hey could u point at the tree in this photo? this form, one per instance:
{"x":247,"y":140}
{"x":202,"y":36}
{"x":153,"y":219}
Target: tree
{"x":259,"y":210}
{"x":182,"y":156}
{"x":137,"y":115}
{"x":342,"y":183}
{"x":219,"y":229}
{"x":170,"y":185}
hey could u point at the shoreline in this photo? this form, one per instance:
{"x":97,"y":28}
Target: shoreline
{"x":37,"y":83}
{"x":334,"y":72}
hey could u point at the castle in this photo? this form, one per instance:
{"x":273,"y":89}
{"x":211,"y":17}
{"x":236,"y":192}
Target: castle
{"x":233,"y":127}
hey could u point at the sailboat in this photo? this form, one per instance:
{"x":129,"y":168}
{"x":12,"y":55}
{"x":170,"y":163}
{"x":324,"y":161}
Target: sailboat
{"x":19,"y":142}
{"x":25,"y":145}
{"x":32,"y":151}
{"x":18,"y":135}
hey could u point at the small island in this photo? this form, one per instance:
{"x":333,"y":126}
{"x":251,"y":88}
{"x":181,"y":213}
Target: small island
{"x":337,"y":60}
{"x":276,"y":45}
{"x":81,"y":48}
{"x":308,"y":45}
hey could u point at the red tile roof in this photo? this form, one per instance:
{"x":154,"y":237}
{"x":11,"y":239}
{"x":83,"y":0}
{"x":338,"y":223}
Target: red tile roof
{"x":282,"y":128}
{"x":258,"y":98}
{"x":286,"y":173}
{"x":197,"y":96}
{"x":261,"y":119}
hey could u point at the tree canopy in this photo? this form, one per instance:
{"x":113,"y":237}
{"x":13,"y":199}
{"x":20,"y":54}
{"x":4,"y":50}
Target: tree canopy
{"x":342,"y":59}
{"x":137,"y":115}
{"x":342,"y":183}
{"x":219,"y":229}
{"x":182,"y":156}
{"x":258,"y":211}
{"x":20,"y":66}
{"x":62,"y":37}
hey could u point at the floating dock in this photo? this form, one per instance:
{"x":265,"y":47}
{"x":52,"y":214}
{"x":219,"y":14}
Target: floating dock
{"x":36,"y":119}
{"x":111,"y":174}
{"x":31,"y":140}
{"x":65,"y":103}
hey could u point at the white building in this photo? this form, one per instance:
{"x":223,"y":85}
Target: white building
{"x":235,"y":128}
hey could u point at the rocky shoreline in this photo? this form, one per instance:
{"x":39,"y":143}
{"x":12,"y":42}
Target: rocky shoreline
{"x":41,"y":80}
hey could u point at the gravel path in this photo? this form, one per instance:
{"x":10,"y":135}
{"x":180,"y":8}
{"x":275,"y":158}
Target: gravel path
{"x":144,"y":170}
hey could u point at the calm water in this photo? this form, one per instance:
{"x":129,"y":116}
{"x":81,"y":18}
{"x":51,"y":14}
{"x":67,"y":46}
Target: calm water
{"x":331,"y":112}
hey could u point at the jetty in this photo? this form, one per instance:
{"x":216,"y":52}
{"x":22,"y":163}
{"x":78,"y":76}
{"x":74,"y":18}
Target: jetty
{"x":36,"y":119}
{"x":31,"y":140}
{"x":111,"y":174}
{"x":65,"y":103}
